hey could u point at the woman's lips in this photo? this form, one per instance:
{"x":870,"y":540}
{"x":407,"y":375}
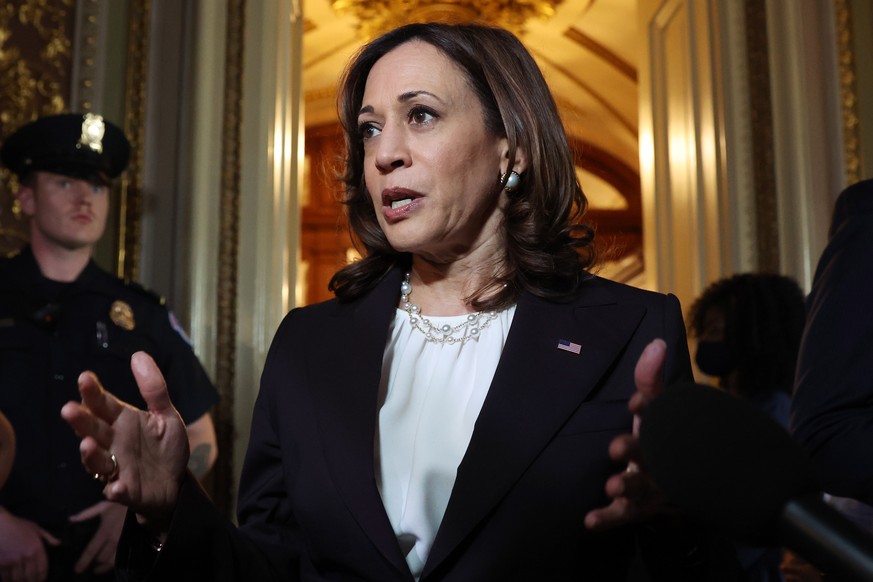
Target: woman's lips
{"x":398,"y":203}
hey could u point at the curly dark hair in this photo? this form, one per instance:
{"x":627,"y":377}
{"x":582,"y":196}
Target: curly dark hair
{"x":548,"y":249}
{"x":764,"y":318}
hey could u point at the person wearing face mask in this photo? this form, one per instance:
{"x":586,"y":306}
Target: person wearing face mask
{"x":748,"y":329}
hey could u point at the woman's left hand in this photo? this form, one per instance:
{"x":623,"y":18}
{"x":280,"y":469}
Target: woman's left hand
{"x":634,"y":494}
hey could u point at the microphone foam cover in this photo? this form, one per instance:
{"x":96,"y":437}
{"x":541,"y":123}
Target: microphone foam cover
{"x":723,"y":461}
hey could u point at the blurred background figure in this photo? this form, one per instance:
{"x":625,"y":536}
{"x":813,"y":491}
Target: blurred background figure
{"x":832,"y":408}
{"x":748,"y":329}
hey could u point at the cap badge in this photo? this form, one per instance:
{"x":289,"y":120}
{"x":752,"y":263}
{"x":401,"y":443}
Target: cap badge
{"x":93,"y":129}
{"x":121,"y":315}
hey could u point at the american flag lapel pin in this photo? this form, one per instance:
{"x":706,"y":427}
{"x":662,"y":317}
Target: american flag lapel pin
{"x":569,"y":346}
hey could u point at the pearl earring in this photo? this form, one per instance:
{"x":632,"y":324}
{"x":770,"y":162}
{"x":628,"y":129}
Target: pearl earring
{"x":512,"y":181}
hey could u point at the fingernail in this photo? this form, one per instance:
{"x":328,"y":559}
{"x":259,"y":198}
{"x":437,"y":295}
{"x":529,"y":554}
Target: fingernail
{"x":137,"y":361}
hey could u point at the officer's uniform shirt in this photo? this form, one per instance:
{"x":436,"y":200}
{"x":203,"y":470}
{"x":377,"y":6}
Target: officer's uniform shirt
{"x":49,"y":333}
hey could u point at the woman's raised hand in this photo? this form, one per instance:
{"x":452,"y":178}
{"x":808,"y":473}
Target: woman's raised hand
{"x":635,"y":497}
{"x":140,"y":455}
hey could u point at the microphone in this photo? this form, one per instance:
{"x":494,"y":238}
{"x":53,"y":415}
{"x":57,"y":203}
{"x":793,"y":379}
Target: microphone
{"x":729,"y":465}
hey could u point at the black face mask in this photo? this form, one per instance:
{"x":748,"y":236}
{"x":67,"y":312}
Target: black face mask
{"x":714,"y":358}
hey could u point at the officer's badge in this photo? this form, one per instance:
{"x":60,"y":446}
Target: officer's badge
{"x":121,"y":315}
{"x":93,"y":129}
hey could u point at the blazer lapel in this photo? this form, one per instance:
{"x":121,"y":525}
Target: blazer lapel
{"x":536,"y":388}
{"x":346,"y":401}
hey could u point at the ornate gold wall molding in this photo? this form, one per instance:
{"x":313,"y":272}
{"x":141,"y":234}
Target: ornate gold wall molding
{"x":88,"y":59}
{"x":130,"y":209}
{"x":764,"y":171}
{"x":229,"y":225}
{"x":848,"y":92}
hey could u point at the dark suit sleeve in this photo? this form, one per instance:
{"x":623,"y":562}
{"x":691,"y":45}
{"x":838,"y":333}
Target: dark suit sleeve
{"x":202,"y":544}
{"x":832,"y":409}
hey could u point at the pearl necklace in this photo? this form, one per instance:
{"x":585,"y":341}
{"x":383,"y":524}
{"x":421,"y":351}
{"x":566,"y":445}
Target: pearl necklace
{"x":444,"y":334}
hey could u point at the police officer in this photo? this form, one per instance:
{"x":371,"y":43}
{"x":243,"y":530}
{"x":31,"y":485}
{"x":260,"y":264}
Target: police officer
{"x":61,"y":314}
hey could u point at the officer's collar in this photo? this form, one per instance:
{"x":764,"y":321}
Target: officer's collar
{"x":34,"y":281}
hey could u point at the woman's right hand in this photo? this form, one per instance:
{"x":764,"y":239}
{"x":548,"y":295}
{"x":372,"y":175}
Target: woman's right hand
{"x":150,"y":447}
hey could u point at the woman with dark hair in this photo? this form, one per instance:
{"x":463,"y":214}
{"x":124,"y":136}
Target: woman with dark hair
{"x":748,"y":328}
{"x":546,"y":248}
{"x":464,"y":409}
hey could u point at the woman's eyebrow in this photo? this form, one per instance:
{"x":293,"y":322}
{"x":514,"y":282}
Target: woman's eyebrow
{"x":402,"y":98}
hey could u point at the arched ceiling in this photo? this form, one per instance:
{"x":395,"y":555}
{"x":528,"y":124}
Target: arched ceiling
{"x":587,"y":51}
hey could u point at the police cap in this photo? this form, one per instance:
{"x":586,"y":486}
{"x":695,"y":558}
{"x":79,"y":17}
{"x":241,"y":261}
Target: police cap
{"x":73,"y":144}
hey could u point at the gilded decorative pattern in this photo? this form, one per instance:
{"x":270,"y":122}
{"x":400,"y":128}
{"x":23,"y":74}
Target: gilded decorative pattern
{"x":229,"y":203}
{"x":134,"y":128}
{"x":35,"y":63}
{"x":85,"y":65}
{"x":377,"y":16}
{"x":848,"y":92}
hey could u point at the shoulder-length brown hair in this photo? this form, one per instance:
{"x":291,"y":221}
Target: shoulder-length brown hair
{"x":548,"y":249}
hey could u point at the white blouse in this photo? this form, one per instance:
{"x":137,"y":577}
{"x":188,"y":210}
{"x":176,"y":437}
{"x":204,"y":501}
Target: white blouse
{"x":430,"y":397}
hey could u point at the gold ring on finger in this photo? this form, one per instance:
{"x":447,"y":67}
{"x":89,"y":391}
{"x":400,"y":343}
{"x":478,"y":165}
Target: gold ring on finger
{"x":114,"y":472}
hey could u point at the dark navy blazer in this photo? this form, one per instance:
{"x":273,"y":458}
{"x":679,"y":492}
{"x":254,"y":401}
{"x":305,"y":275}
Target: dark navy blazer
{"x":309,"y":507}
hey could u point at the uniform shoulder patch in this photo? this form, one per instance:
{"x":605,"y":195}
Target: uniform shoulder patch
{"x":177,"y":327}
